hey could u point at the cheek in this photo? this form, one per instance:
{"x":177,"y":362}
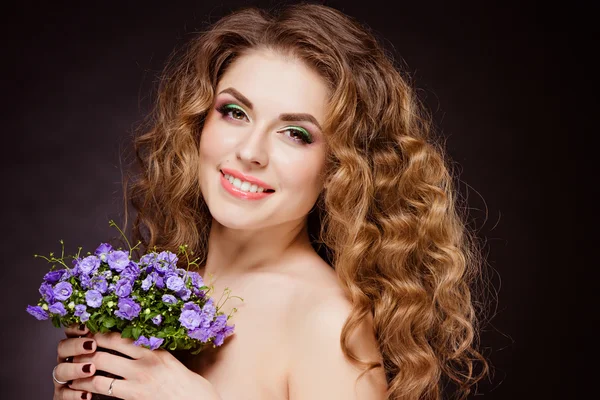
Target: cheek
{"x":213,"y":142}
{"x":302,"y":174}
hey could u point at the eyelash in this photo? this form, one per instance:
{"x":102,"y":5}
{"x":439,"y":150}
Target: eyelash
{"x":226,"y":109}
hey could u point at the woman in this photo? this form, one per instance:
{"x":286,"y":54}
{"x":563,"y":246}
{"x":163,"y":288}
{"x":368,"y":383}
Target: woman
{"x":296,"y":159}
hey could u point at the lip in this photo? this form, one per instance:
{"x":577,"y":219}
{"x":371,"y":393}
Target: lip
{"x":247,"y":178}
{"x":240,"y":194}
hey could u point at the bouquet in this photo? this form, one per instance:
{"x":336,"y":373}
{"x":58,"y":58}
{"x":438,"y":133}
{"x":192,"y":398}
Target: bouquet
{"x":149,"y":300}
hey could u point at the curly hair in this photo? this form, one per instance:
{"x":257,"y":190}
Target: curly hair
{"x":388,"y":219}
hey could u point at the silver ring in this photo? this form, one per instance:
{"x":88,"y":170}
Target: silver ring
{"x":56,"y":380}
{"x":111,"y":386}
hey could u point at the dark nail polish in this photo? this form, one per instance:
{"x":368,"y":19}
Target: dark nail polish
{"x":88,"y":345}
{"x":86,"y":368}
{"x":82,"y":327}
{"x":84,"y":395}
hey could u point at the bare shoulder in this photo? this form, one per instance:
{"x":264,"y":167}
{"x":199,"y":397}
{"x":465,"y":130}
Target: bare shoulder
{"x":318,"y":368}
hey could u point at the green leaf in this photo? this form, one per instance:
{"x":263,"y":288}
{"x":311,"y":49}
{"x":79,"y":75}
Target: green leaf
{"x":136,"y":332}
{"x":92,"y":325}
{"x":109,"y":322}
{"x":127,"y":332}
{"x":56,"y":321}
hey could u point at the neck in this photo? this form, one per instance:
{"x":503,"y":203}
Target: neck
{"x":233,"y":252}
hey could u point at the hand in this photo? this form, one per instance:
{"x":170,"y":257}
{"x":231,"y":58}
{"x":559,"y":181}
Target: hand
{"x":149,"y":374}
{"x":78,"y":342}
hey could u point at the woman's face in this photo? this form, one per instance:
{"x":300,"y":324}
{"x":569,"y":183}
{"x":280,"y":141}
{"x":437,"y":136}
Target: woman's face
{"x":262,"y":151}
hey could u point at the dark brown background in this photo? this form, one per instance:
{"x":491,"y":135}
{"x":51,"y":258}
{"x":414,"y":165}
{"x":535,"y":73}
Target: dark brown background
{"x":501,"y":80}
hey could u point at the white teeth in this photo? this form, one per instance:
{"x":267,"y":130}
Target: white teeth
{"x":243,"y":185}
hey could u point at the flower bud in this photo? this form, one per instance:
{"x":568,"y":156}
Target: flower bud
{"x":147,"y":311}
{"x":45,"y":306}
{"x":71,"y":305}
{"x":110,"y":304}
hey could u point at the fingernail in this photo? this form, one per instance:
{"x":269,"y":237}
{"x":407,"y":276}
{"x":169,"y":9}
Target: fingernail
{"x":82,"y":327}
{"x":84,"y":395}
{"x":88,"y":345}
{"x":86,"y":368}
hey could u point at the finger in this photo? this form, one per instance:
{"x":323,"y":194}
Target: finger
{"x":74,"y":347}
{"x":111,"y":363}
{"x":66,"y":372}
{"x":76,"y":330}
{"x":114,"y":341}
{"x":104,"y":385}
{"x":69,"y":394}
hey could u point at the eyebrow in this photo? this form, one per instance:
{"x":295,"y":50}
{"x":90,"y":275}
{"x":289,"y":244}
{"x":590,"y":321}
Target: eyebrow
{"x":288,"y":117}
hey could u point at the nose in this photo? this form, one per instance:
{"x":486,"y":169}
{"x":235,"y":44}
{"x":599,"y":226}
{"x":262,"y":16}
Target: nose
{"x":252,"y":149}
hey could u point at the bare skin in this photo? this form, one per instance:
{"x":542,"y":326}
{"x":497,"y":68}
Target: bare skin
{"x":257,"y":356}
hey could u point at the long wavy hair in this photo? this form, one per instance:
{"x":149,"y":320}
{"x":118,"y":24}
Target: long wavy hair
{"x":388,"y":219}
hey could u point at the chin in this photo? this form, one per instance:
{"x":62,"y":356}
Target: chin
{"x":239,"y":220}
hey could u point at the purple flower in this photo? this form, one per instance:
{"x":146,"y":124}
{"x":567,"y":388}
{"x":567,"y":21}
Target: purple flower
{"x":38,"y":312}
{"x":219,"y":323}
{"x":169,"y":299}
{"x":196,"y":279}
{"x":168,"y":257}
{"x":131,"y":271}
{"x":191,"y":306}
{"x":86,"y":281}
{"x":184,"y":294}
{"x":99,"y":283}
{"x":47,"y":292}
{"x":84,"y":317}
{"x":158,"y":281}
{"x":175,"y":283}
{"x":67,"y":274}
{"x":103,"y":250}
{"x":123,"y":287}
{"x":147,"y":283}
{"x":62,"y":291}
{"x":157,"y":320}
{"x":165,"y":262}
{"x":209,"y":308}
{"x":54,"y":276}
{"x":202,"y":334}
{"x":93,"y":298}
{"x":142,"y":341}
{"x":80,"y":309}
{"x":88,"y":265}
{"x":153,"y":343}
{"x":220,"y":336}
{"x":148,"y":259}
{"x":190,"y":319}
{"x":57,"y":308}
{"x":118,"y":260}
{"x":128,"y":309}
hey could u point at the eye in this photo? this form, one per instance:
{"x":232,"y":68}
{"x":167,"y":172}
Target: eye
{"x":298,"y":134}
{"x":233,"y":111}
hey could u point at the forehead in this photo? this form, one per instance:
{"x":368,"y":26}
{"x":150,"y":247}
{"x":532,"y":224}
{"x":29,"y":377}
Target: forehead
{"x":273,"y":81}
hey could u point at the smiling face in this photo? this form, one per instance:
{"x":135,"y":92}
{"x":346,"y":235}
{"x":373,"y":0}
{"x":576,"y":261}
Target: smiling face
{"x":262,"y":150}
